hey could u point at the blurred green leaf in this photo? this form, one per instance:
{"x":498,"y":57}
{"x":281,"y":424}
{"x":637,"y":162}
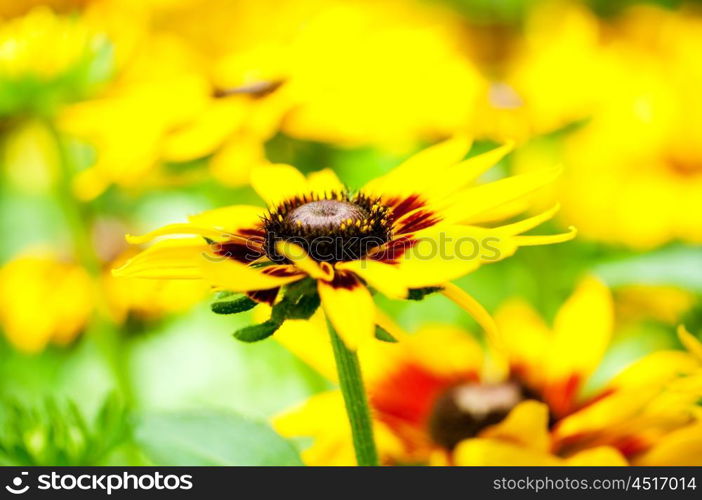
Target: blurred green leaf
{"x":212,"y":438}
{"x":677,"y":266}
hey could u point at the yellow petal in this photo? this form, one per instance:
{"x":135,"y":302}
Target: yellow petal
{"x":446,"y":252}
{"x":582,"y":332}
{"x":602,"y":456}
{"x":471,"y":203}
{"x":350,"y":308}
{"x":523,"y":338}
{"x":383,"y":277}
{"x":526,"y":425}
{"x":409,"y":177}
{"x":473,"y":307}
{"x":463,"y":173}
{"x":178,"y":258}
{"x":324,"y":181}
{"x":680,"y":448}
{"x":530,"y":223}
{"x":172,"y":229}
{"x":236,"y":277}
{"x":309,"y":341}
{"x":549,"y":239}
{"x":493,"y":452}
{"x":297,"y":255}
{"x":276,"y":183}
{"x":230,"y":219}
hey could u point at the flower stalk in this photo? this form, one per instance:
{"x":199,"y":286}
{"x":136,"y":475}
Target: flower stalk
{"x":356,"y":401}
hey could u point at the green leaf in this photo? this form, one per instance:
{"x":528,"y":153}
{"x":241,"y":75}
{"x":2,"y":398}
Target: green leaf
{"x":254,"y":333}
{"x":383,"y":335}
{"x":420,"y":293}
{"x":233,"y":305}
{"x":212,"y":438}
{"x":676,"y":266}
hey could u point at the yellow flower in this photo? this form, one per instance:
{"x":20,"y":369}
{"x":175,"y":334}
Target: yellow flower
{"x":633,"y":172}
{"x":43,"y":300}
{"x":301,"y":67}
{"x":551,"y":76}
{"x":421,"y":225}
{"x":47,"y":60}
{"x":439,"y":397}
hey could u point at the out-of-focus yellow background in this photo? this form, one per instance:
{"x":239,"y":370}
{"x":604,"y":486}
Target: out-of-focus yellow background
{"x":120,"y":116}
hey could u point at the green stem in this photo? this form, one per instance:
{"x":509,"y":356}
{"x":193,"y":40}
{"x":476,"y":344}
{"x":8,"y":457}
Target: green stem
{"x":357,"y":409}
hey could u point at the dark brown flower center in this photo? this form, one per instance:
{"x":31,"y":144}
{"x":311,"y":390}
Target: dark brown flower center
{"x":333,"y":227}
{"x":464,"y":410}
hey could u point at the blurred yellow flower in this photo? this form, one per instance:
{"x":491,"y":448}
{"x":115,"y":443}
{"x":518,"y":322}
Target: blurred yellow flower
{"x":47,"y":60}
{"x":301,"y":67}
{"x":400,"y":232}
{"x":43,"y":300}
{"x":662,"y":303}
{"x":439,"y":397}
{"x":552,"y":75}
{"x":633,"y":172}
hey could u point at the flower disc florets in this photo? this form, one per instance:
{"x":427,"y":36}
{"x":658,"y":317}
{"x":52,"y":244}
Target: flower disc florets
{"x":331,"y":227}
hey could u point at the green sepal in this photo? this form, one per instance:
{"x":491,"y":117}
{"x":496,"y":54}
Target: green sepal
{"x":254,"y":333}
{"x":383,"y":335}
{"x":229,"y":303}
{"x":299,"y":301}
{"x":420,"y":293}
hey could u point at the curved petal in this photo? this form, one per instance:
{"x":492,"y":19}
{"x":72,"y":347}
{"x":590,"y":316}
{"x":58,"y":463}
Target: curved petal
{"x":276,"y":183}
{"x":297,"y":255}
{"x":526,"y":425}
{"x":410,"y":177}
{"x":325,"y":181}
{"x":472,"y":203}
{"x":523,"y":339}
{"x":493,"y":452}
{"x":383,"y":277}
{"x":582,"y":332}
{"x":602,"y":456}
{"x":680,"y":448}
{"x":473,"y":307}
{"x":230,"y":219}
{"x":350,"y":308}
{"x":462,"y":174}
{"x":178,"y":258}
{"x":309,"y":341}
{"x":173,"y":229}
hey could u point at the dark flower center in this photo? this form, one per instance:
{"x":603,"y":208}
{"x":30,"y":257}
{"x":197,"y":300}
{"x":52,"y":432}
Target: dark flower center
{"x":464,"y":410}
{"x":326,"y":213}
{"x":334,"y":227}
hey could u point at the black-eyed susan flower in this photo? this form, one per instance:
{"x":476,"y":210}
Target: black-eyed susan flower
{"x":409,"y":232}
{"x":43,"y":301}
{"x":439,"y":397}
